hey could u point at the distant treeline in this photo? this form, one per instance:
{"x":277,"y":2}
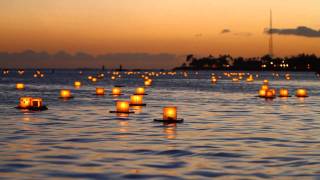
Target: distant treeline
{"x":301,"y":62}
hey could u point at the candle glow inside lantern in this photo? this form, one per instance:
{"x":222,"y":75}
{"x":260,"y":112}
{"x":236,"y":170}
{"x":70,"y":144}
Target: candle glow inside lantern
{"x":65,"y":94}
{"x":301,"y":93}
{"x":94,"y":79}
{"x":116,"y":91}
{"x":136,"y":100}
{"x":283,"y":93}
{"x":25,"y":102}
{"x":20,"y":86}
{"x":100,"y":91}
{"x":77,"y":84}
{"x":140,"y":91}
{"x":265,"y":82}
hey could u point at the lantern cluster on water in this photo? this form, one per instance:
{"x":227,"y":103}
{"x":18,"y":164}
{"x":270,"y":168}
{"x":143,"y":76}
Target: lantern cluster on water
{"x":31,"y":103}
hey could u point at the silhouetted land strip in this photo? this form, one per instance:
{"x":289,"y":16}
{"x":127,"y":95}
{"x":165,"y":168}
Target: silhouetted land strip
{"x":301,"y":62}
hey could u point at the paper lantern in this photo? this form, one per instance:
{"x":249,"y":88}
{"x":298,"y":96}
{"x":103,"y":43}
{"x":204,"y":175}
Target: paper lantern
{"x":90,"y":77}
{"x":65,"y":94}
{"x":116,"y":91}
{"x":100,"y":91}
{"x":264,"y":87}
{"x":77,"y":84}
{"x":170,"y":113}
{"x":301,"y":93}
{"x":136,"y":100}
{"x":25,"y":102}
{"x":265,"y":82}
{"x":20,"y":86}
{"x":122,"y":106}
{"x":148,"y":82}
{"x":262,"y":93}
{"x":283,"y":93}
{"x":270,"y":94}
{"x":94,"y":79}
{"x":140,"y":91}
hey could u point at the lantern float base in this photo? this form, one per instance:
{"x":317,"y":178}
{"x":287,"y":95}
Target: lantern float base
{"x":115,"y":94}
{"x":169,"y":121}
{"x":118,"y":112}
{"x":119,"y":86}
{"x":42,"y":108}
{"x":141,"y":94}
{"x":138,"y":104}
{"x":302,"y":96}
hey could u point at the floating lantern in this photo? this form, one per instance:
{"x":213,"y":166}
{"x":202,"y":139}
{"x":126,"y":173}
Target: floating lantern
{"x":25,"y":102}
{"x":262,"y":93}
{"x":65,"y":94}
{"x":137,"y":100}
{"x":169,"y":115}
{"x":77,"y":84}
{"x":20,"y":86}
{"x":122,"y":107}
{"x":283,"y":93}
{"x":214,"y":80}
{"x":100,"y":91}
{"x":90,"y":77}
{"x":113,"y":78}
{"x":29,"y":103}
{"x":302,"y":93}
{"x":140,"y":91}
{"x":250,"y":78}
{"x":264,"y":87}
{"x":148,"y":82}
{"x":116,"y":91}
{"x":270,"y":94}
{"x":94,"y":79}
{"x":265,"y":82}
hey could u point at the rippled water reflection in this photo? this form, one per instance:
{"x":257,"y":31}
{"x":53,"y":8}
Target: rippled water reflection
{"x":228,"y":132}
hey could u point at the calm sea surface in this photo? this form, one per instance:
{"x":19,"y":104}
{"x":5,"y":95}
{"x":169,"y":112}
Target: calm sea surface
{"x":228,"y":132}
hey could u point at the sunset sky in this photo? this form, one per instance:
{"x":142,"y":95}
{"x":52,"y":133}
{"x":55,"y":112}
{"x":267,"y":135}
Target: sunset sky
{"x":157,"y":26}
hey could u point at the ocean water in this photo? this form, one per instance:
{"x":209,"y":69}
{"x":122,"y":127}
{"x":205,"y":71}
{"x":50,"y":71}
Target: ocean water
{"x":228,"y":132}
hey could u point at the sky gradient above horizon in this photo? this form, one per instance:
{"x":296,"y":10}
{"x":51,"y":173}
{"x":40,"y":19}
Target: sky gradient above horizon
{"x":157,"y":26}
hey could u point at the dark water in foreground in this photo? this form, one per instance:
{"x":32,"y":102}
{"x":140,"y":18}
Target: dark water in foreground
{"x":228,"y":133}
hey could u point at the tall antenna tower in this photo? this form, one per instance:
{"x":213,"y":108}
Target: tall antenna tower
{"x":271,"y":36}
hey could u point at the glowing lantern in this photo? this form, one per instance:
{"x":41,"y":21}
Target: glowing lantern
{"x":77,"y":84}
{"x":264,"y":87}
{"x":140,"y":91}
{"x":116,"y":91}
{"x":148,"y":82}
{"x":20,"y":86}
{"x":100,"y":91}
{"x":94,"y":79}
{"x":265,"y":82}
{"x":283,"y":93}
{"x":36,"y":102}
{"x":25,"y":102}
{"x":273,"y":91}
{"x":250,"y":78}
{"x":270,"y":94}
{"x":90,"y":77}
{"x":214,"y":80}
{"x":302,"y":93}
{"x":65,"y":94}
{"x":122,"y":106}
{"x":169,"y":113}
{"x":136,"y":100}
{"x":262,"y":93}
{"x":113,"y":78}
